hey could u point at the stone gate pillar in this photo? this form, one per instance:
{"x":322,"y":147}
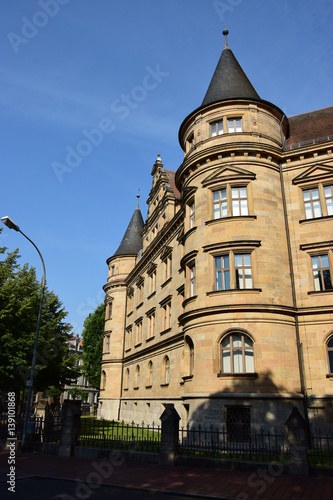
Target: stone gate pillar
{"x":70,"y":427}
{"x":169,"y":434}
{"x":296,"y":425}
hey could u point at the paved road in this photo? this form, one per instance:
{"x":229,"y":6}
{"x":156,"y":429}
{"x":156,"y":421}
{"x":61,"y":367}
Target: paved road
{"x":59,"y":489}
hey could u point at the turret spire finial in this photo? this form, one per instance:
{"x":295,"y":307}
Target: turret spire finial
{"x":138,"y":196}
{"x":225,"y":32}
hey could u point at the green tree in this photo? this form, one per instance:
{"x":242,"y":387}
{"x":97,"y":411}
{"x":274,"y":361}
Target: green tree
{"x":19,"y":304}
{"x":92,"y":345}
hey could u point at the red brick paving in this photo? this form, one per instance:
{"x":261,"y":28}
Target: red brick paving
{"x":218,"y":483}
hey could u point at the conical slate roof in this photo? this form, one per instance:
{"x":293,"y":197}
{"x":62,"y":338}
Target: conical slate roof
{"x":132,"y":239}
{"x":229,"y":80}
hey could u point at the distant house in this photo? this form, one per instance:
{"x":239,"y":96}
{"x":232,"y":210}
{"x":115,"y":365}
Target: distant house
{"x":81,"y":389}
{"x":221,"y":301}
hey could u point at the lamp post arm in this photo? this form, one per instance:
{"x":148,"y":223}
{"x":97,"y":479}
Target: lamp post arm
{"x":40,"y":255}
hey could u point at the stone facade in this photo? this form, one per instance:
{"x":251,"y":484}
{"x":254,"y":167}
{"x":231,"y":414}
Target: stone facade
{"x":223,"y":312}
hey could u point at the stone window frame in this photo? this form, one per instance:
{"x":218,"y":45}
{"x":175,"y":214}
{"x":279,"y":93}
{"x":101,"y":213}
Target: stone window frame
{"x":319,"y":249}
{"x":243,"y":374}
{"x":232,"y":248}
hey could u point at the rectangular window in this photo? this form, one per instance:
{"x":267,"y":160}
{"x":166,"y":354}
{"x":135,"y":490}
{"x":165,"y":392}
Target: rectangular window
{"x":328,"y":190}
{"x":234,"y":125}
{"x":107,"y":344}
{"x":222,"y":273}
{"x":138,"y":333}
{"x":312,"y":203}
{"x":110,"y":309}
{"x":243,"y":271}
{"x":167,"y":263}
{"x":192,"y":214}
{"x":152,"y":282}
{"x":128,"y":343}
{"x":216,"y":128}
{"x":238,"y":424}
{"x":239,"y":201}
{"x":321,"y":273}
{"x":140,"y":294}
{"x":167,"y":316}
{"x":220,"y":204}
{"x":151,"y":325}
{"x":230,"y":201}
{"x":192,"y":280}
{"x":130,"y":303}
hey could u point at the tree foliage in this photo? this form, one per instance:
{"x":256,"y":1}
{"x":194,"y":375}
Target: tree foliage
{"x":19,"y":304}
{"x":92,"y":345}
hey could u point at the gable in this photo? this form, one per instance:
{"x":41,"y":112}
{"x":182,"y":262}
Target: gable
{"x":228,"y":173}
{"x":315,"y":173}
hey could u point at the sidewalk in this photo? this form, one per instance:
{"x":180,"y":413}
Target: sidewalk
{"x":210,"y":483}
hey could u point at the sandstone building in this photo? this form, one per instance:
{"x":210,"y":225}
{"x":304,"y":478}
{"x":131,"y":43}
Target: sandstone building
{"x":221,"y":301}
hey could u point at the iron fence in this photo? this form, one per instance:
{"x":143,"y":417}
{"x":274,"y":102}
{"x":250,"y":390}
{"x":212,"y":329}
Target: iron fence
{"x":320,"y":453}
{"x":39,"y":429}
{"x":119,"y":435}
{"x":256,"y":446}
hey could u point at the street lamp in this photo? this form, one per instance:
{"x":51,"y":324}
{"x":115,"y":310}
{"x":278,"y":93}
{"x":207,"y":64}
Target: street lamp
{"x":12,"y":225}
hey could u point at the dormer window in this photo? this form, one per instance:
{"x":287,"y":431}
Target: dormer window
{"x":216,"y":128}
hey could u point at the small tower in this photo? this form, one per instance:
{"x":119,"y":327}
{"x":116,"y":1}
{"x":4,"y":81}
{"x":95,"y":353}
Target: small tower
{"x":120,"y":265}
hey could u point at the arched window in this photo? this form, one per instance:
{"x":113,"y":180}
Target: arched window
{"x":237,"y":353}
{"x":189,"y":356}
{"x":137,"y":376}
{"x":127,"y":373}
{"x":330,"y":354}
{"x":166,"y":366}
{"x":150,"y":372}
{"x":103,"y":380}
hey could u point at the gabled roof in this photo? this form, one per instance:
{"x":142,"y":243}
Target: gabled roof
{"x":229,"y":80}
{"x":132,"y":239}
{"x":307,"y":127}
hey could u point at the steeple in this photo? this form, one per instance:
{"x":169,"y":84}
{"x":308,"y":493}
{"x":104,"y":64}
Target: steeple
{"x":132,"y":239}
{"x":229,"y":80}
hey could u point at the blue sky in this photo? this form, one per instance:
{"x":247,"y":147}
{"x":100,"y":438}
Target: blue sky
{"x":92,"y":90}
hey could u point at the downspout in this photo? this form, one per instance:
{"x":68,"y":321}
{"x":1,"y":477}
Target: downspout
{"x":293,"y":288}
{"x":122,"y":363}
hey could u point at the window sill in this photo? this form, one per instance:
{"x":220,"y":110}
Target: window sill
{"x":150,"y":338}
{"x":129,"y":314}
{"x":125,"y":388}
{"x":238,"y":290}
{"x":316,"y":219}
{"x":151,"y":295}
{"x":229,"y":218}
{"x":189,"y":299}
{"x":165,"y":331}
{"x":187,"y":377}
{"x":128,"y":349}
{"x":149,"y":386}
{"x":138,"y":344}
{"x":166,"y":282}
{"x":164,"y":385}
{"x":249,"y":376}
{"x":139,"y":305}
{"x":330,"y":375}
{"x":320,"y":292}
{"x":135,"y":388}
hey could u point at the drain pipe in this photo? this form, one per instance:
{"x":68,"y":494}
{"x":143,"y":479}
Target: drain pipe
{"x":122,"y":363}
{"x":293,"y":288}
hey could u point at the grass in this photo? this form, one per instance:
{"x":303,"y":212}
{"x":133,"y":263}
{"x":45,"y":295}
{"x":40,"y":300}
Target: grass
{"x":118,"y":435}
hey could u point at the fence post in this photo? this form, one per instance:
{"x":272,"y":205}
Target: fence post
{"x":296,"y":425}
{"x":70,"y":429}
{"x":169,"y":434}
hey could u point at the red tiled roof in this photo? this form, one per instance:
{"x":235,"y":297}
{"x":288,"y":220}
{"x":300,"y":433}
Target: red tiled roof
{"x":309,"y":126}
{"x":171,"y":176}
